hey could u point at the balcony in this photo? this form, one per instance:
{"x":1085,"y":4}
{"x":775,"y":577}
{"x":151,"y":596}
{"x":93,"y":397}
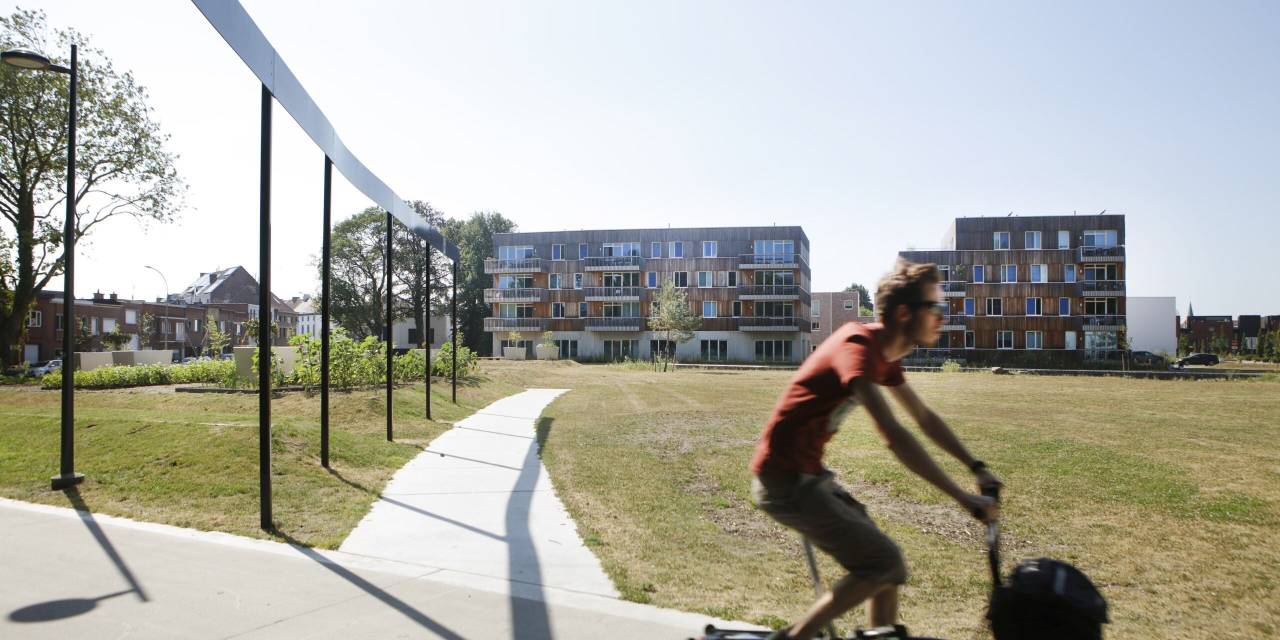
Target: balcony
{"x":770,"y":261}
{"x":768,"y":323}
{"x":515,"y":294}
{"x":1096,"y":288}
{"x":1103,"y":322}
{"x":772,"y":292}
{"x":612,"y":263}
{"x":613,"y":294}
{"x":515,"y":324}
{"x":955,"y":323}
{"x":953,"y":288}
{"x":1102,"y":254}
{"x":520,"y":265}
{"x":615,"y":324}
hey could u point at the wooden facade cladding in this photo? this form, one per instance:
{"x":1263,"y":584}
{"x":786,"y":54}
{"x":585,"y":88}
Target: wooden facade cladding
{"x":977,"y":233}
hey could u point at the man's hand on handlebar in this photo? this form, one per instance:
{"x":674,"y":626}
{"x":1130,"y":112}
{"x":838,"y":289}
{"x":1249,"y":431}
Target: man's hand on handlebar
{"x":981,"y":507}
{"x":986,"y":479}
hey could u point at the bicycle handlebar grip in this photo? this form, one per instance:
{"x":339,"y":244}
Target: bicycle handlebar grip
{"x":992,"y":491}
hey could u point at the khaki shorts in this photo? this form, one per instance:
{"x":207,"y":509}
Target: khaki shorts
{"x":822,"y":511}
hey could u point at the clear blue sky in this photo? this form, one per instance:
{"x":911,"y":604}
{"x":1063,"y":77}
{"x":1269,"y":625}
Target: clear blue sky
{"x":869,"y":124}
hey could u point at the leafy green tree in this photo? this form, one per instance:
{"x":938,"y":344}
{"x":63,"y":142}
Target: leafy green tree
{"x":671,"y":316}
{"x":215,"y":339}
{"x":115,"y":340}
{"x":864,"y":299}
{"x":358,"y":272}
{"x":123,"y":169}
{"x":474,"y":237}
{"x":410,"y":268}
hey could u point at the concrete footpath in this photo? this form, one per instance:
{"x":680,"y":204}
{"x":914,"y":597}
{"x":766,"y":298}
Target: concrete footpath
{"x":468,"y":544}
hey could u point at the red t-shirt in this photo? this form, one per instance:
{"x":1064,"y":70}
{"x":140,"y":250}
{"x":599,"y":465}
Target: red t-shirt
{"x":801,"y":424}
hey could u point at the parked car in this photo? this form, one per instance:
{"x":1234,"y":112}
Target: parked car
{"x":1205,"y":359}
{"x":1148,"y":359}
{"x":45,"y":367}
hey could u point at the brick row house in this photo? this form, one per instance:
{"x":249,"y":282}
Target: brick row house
{"x":1053,"y":285}
{"x":831,"y":309}
{"x":593,"y":290}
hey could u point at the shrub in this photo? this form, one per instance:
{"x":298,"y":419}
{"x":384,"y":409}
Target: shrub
{"x":209,"y":371}
{"x":951,"y":366}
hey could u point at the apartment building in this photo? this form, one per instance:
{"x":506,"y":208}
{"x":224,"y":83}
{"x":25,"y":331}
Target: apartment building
{"x":594,"y":290}
{"x":1052,"y":285}
{"x":831,"y":309}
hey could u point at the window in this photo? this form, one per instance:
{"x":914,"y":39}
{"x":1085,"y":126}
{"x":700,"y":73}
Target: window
{"x":1004,"y":339}
{"x":848,"y":305}
{"x":737,"y":308}
{"x":622,"y":309}
{"x":1064,"y":239}
{"x":1068,"y":273}
{"x":816,"y":308}
{"x":704,"y":279}
{"x":651,"y":279}
{"x":680,"y":278}
{"x":555,"y":281}
{"x":774,"y":251}
{"x":583,"y":251}
{"x":995,"y":306}
{"x":722,"y":278}
{"x":815,"y":326}
{"x":775,"y":309}
{"x":1008,"y":273}
{"x":1034,"y":307}
{"x":944,"y":272}
{"x":733,"y":278}
{"x":969,"y":340}
{"x":515,"y":310}
{"x":130,"y":316}
{"x":577,"y":281}
{"x":969,"y":309}
{"x":1099,"y":272}
{"x":662,"y":348}
{"x":621,"y":249}
{"x":514,"y":282}
{"x":582,"y":309}
{"x":1000,"y":240}
{"x":510,"y":252}
{"x":1100,"y":306}
{"x":773,"y":350}
{"x":1039,"y":273}
{"x":1032,"y":239}
{"x":676,"y":249}
{"x":655,"y":249}
{"x":568,"y":349}
{"x":709,"y":248}
{"x":1107,"y":340}
{"x":413,"y":335}
{"x":979,"y":273}
{"x":57,"y":322}
{"x":1064,"y":306}
{"x":35,"y":318}
{"x":708,"y":308}
{"x":619,"y":349}
{"x":557,"y":252}
{"x":1035,"y":339}
{"x":776,"y":278}
{"x":557,"y":310}
{"x":1105,"y":238}
{"x":714,"y":350}
{"x":623,"y":279}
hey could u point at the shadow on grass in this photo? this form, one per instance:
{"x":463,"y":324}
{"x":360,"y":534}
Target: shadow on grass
{"x":543,"y":432}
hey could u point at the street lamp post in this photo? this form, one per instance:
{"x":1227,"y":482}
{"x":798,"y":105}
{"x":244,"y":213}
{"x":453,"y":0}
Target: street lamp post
{"x":24,"y":59}
{"x":166,"y":293}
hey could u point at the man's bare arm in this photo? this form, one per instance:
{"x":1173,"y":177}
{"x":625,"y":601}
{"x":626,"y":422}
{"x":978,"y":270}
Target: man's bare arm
{"x":931,"y":424}
{"x":900,"y":441}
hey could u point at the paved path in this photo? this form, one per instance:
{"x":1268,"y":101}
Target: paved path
{"x":479,"y":501}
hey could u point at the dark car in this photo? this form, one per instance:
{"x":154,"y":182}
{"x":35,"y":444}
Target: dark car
{"x":1147,"y":359}
{"x":1205,"y":359}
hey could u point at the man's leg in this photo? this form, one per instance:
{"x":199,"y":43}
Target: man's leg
{"x":845,"y":594}
{"x":884,"y":607}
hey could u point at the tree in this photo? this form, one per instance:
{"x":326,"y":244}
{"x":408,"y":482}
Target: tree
{"x":864,"y":299}
{"x":123,"y":169}
{"x":474,"y":237}
{"x":410,"y":268}
{"x":115,"y":339}
{"x":358,"y":273}
{"x":150,"y":331}
{"x":215,"y":339}
{"x":671,"y":316}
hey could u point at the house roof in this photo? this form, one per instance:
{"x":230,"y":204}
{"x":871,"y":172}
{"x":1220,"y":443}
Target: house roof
{"x":208,"y":283}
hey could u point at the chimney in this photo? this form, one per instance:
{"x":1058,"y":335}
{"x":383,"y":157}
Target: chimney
{"x":97,"y":296}
{"x":114,"y":298}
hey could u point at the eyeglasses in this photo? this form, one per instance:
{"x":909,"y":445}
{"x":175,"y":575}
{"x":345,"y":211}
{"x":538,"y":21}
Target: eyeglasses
{"x":939,"y":309}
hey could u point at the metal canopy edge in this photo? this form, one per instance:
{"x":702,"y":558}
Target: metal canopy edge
{"x":244,"y":37}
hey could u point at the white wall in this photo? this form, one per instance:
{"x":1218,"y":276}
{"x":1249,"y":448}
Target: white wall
{"x":400,"y":331}
{"x":1151,"y":324}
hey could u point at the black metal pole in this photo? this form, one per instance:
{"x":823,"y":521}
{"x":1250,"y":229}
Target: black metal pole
{"x":390,"y":341}
{"x":324,"y":316}
{"x":264,"y":315}
{"x":454,"y":313}
{"x":426,"y":328}
{"x":67,"y":476}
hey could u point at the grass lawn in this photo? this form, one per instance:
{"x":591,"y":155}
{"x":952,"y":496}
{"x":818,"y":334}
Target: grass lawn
{"x":192,"y":459}
{"x":1164,"y":492}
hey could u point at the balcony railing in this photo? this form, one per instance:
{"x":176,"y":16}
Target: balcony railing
{"x":596,"y":294}
{"x":954,"y":322}
{"x":1102,"y":287}
{"x":770,"y":261}
{"x":605,"y":263}
{"x":769,"y":323}
{"x":1104,"y":254}
{"x":1103,"y":321}
{"x":615,"y":323}
{"x":953,"y":288}
{"x":515,"y":324}
{"x":770,"y":291}
{"x":515,"y":294}
{"x":519,"y":265}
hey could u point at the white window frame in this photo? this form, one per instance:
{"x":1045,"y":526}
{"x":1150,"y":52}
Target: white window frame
{"x":710,"y":279}
{"x":713,"y":245}
{"x":655,"y":249}
{"x":554,"y":247}
{"x":582,"y":309}
{"x":1039,"y":304}
{"x":970,"y":340}
{"x":987,"y":306}
{"x":35,"y":319}
{"x":733,"y":278}
{"x":1044,"y":273}
{"x":995,"y":240}
{"x":555,"y":281}
{"x":715,"y":309}
{"x":554,"y":306}
{"x":1064,"y":239}
{"x":577,"y":280}
{"x":1039,"y":340}
{"x":1110,"y":237}
{"x":815,"y":327}
{"x":999,"y":334}
{"x":1060,"y":301}
{"x":1004,"y":272}
{"x":979,"y":273}
{"x":584,"y":250}
{"x":970,"y":307}
{"x":676,"y":248}
{"x":675,"y":280}
{"x":130,"y":316}
{"x":1069,"y":273}
{"x":737,"y":308}
{"x":651,"y":280}
{"x":1027,"y":243}
{"x":849,"y":305}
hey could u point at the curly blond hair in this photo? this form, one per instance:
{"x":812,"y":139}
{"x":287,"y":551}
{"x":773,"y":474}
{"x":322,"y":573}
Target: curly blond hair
{"x":904,"y":285}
